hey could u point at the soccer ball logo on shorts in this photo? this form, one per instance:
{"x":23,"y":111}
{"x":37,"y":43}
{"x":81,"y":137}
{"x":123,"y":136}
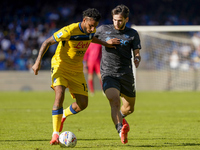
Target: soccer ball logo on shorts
{"x":67,"y":139}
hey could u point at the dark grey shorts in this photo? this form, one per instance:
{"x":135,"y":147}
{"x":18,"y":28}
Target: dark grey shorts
{"x":125,"y":84}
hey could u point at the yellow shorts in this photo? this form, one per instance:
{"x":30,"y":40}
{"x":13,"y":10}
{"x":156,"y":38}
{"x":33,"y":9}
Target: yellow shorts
{"x":74,"y":81}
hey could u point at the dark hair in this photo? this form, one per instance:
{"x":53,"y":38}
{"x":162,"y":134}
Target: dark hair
{"x":93,"y":13}
{"x":121,"y":10}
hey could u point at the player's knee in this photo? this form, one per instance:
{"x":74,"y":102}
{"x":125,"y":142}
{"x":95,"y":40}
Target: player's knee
{"x":131,"y":110}
{"x":128,"y":109}
{"x":81,"y":101}
{"x":114,"y":102}
{"x":83,"y":105}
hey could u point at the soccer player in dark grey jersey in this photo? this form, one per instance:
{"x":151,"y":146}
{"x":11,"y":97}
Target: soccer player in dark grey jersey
{"x":116,"y":67}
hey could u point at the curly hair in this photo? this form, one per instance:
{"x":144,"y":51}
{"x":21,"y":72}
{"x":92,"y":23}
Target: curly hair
{"x":93,"y":13}
{"x":121,"y":10}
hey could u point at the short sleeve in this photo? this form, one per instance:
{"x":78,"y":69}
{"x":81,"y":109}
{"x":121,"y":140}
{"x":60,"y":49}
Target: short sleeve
{"x":136,"y":41}
{"x":62,"y":34}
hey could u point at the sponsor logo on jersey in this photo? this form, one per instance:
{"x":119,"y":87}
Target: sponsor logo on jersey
{"x":76,"y":37}
{"x":124,"y":42}
{"x":59,"y":34}
{"x":80,"y":53}
{"x":54,"y":80}
{"x":82,"y":44}
{"x":108,"y":32}
{"x":126,"y":36}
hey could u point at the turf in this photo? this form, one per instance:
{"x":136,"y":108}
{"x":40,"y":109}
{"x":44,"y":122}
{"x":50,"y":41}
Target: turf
{"x":161,"y":121}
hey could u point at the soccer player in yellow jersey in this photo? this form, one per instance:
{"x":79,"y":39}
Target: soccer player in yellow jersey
{"x":67,"y":67}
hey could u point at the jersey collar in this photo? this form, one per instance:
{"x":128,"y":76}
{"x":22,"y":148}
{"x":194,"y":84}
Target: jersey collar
{"x":80,"y":27}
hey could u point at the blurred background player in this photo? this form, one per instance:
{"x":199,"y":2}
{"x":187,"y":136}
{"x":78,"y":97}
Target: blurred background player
{"x":92,"y":59}
{"x":116,"y":68}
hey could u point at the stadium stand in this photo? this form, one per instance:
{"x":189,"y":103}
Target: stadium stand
{"x":24,"y":25}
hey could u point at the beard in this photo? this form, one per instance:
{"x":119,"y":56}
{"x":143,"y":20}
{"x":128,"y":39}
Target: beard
{"x":85,"y":31}
{"x":121,"y":27}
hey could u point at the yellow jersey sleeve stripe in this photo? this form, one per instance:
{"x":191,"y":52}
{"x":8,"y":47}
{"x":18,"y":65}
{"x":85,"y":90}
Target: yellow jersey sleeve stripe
{"x":54,"y":38}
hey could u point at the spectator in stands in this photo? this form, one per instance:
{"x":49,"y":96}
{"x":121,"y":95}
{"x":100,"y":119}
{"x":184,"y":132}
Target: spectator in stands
{"x":185,"y":51}
{"x":2,"y":60}
{"x":174,"y":60}
{"x":196,"y":53}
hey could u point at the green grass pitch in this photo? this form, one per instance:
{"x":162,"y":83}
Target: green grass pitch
{"x":161,"y":121}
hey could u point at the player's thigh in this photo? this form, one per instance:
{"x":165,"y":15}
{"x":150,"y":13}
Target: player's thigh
{"x":110,"y":82}
{"x":111,"y":87}
{"x":58,"y":77}
{"x":77,"y":85}
{"x":112,"y":94}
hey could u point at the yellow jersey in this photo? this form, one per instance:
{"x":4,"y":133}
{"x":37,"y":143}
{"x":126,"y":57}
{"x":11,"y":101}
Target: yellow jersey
{"x":72,"y":45}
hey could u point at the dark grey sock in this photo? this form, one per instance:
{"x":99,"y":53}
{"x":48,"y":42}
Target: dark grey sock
{"x":118,"y":127}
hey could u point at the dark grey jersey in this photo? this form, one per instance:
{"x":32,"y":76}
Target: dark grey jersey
{"x":116,"y":62}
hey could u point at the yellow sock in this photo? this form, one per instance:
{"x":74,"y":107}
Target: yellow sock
{"x":69,"y":111}
{"x":56,"y":118}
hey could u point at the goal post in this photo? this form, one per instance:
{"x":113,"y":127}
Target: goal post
{"x":170,"y":58}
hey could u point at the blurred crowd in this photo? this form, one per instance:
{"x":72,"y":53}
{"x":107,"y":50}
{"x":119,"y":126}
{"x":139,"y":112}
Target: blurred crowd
{"x":25,"y":25}
{"x":166,"y":51}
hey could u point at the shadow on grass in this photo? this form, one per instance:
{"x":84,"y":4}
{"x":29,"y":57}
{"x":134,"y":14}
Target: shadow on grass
{"x":165,"y":144}
{"x":24,"y":140}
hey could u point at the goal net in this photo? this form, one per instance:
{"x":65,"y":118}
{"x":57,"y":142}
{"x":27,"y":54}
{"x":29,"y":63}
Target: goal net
{"x":170,"y":58}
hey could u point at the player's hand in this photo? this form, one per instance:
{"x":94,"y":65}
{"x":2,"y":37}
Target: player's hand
{"x":114,"y":41}
{"x":36,"y":67}
{"x":136,"y":62}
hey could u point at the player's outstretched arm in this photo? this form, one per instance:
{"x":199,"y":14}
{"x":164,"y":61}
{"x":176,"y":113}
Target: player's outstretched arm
{"x":108,"y":43}
{"x":45,"y":45}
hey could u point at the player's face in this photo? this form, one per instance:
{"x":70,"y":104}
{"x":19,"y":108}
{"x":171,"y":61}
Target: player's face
{"x":119,"y":22}
{"x":89,"y":25}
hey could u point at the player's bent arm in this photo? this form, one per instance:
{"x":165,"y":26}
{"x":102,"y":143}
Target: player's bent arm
{"x":96,"y":40}
{"x":107,"y":43}
{"x":137,"y":57}
{"x":44,"y":47}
